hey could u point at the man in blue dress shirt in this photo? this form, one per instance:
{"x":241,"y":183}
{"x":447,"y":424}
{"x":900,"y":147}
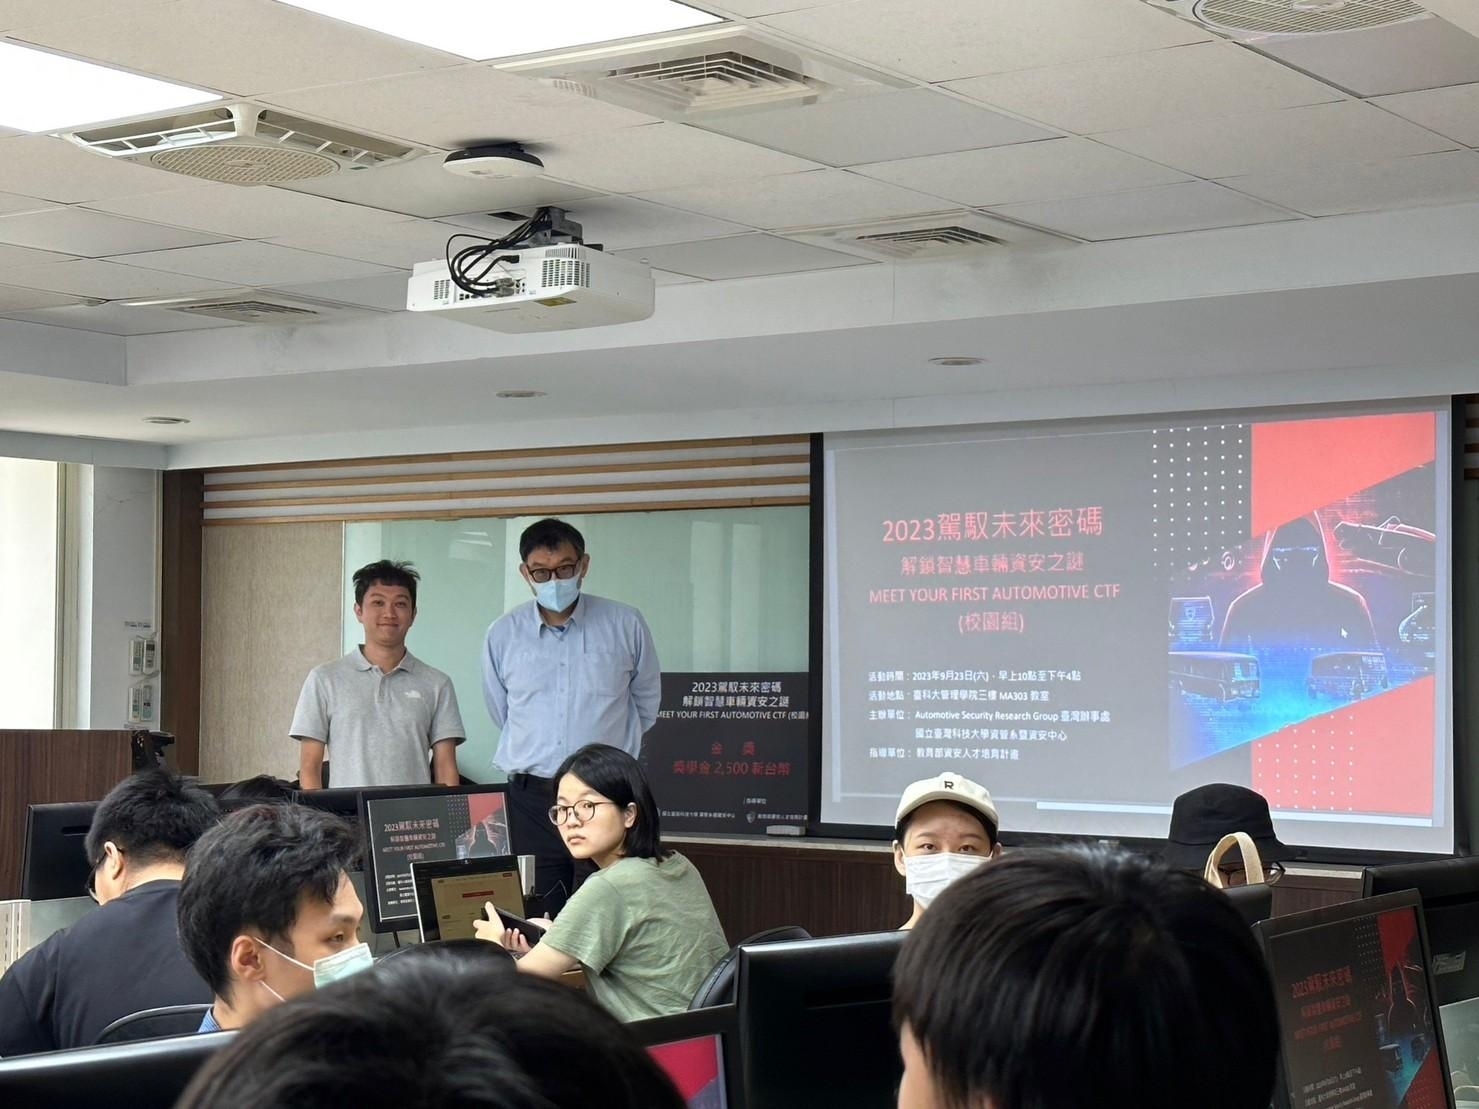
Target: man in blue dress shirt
{"x":563,"y":670}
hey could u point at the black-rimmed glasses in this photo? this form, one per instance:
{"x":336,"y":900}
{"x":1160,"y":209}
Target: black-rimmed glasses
{"x":564,"y":573}
{"x":583,"y":810}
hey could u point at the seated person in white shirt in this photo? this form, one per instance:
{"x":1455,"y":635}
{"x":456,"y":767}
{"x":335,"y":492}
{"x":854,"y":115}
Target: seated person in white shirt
{"x":1083,"y":976}
{"x":945,"y":827}
{"x":642,"y":927}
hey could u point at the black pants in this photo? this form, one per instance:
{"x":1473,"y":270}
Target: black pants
{"x":529,"y":800}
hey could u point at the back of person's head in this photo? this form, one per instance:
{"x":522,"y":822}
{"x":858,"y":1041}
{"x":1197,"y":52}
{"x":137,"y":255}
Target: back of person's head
{"x":1084,"y":976}
{"x":153,"y":817}
{"x":252,"y":872}
{"x":614,"y":774}
{"x":413,"y":1033}
{"x":263,"y":788}
{"x":549,"y":534}
{"x":385,"y":572}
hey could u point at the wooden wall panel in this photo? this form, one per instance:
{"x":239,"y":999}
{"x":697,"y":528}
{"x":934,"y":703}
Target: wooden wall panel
{"x":272,"y":610}
{"x":182,"y":519}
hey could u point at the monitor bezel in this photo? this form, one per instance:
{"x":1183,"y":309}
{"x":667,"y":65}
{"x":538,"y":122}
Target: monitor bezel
{"x":379,"y":924}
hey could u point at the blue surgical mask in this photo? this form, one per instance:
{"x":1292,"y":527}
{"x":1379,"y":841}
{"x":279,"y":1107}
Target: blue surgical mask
{"x":331,"y":968}
{"x":557,"y":594}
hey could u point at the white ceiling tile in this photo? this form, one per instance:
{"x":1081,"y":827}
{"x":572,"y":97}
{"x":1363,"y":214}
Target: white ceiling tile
{"x":621,"y":222}
{"x":819,"y":196}
{"x":12,"y":202}
{"x":663,"y":277}
{"x":256,"y":212}
{"x":12,"y":256}
{"x":1163,"y":210}
{"x":423,"y":188}
{"x":247,"y":47}
{"x":906,"y":124}
{"x":15,"y":300}
{"x":254,"y":263}
{"x":93,"y":277}
{"x":385,"y":292}
{"x":42,"y":166}
{"x":747,"y":8}
{"x":1203,"y":80}
{"x":93,"y":234}
{"x":453,"y":108}
{"x":741,"y":256}
{"x":1448,"y":178}
{"x":1267,"y":142}
{"x":121,"y":319}
{"x":1028,"y":171}
{"x":1398,"y":57}
{"x":944,"y":40}
{"x":31,"y":13}
{"x":661,"y":156}
{"x":1453,"y":111}
{"x":399,"y":245}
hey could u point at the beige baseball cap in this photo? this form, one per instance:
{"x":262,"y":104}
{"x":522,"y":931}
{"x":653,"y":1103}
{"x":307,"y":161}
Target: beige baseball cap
{"x":949,"y":786}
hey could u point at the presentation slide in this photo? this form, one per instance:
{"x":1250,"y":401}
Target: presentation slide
{"x":1093,"y":618}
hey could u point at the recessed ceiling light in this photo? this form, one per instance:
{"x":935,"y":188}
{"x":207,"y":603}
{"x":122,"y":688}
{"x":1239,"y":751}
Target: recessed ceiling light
{"x":166,"y":420}
{"x":519,"y":394}
{"x":957,"y":360}
{"x":46,"y":92}
{"x":482,"y":29}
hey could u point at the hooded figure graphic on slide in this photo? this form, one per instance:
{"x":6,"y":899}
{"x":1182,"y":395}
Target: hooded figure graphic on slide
{"x":1295,"y":604}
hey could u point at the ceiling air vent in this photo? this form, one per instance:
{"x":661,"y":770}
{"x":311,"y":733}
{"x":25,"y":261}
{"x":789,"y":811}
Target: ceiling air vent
{"x":697,"y":75}
{"x":958,"y":234}
{"x":1242,"y":19}
{"x":242,"y":144}
{"x":252,"y":306}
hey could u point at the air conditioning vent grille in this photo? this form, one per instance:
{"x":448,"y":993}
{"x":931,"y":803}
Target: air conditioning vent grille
{"x":723,"y":81}
{"x":245,"y":311}
{"x":1302,"y":17}
{"x":908,"y":244}
{"x":244,"y":164}
{"x":359,"y":151}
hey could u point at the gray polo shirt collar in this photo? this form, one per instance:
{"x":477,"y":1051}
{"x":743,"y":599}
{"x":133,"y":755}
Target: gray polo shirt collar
{"x":407,"y":662}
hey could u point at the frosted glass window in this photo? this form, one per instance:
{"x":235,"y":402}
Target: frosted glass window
{"x":28,"y":567}
{"x":722,"y":589}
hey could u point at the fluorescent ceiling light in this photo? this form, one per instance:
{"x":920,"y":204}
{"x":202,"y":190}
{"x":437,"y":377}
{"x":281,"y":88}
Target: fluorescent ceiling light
{"x":47,"y":92}
{"x":483,"y":29}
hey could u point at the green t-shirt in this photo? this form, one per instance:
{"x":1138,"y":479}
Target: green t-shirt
{"x":646,"y":933}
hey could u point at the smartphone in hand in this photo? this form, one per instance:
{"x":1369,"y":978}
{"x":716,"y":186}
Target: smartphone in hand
{"x":529,"y":930}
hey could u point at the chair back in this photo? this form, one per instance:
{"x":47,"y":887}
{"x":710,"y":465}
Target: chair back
{"x":718,"y":987}
{"x":155,"y":1024}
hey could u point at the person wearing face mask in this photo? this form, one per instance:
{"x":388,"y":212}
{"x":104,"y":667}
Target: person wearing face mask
{"x":267,"y":910}
{"x":642,"y":927}
{"x":945,"y":828}
{"x":563,"y":670}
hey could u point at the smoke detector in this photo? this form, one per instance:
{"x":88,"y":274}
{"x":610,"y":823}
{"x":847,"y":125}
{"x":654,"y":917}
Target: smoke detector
{"x":493,"y":163}
{"x":241,"y":144}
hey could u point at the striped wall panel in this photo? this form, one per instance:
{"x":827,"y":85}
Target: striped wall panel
{"x":646,"y":477}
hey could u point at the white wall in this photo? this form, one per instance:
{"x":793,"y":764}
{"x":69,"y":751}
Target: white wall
{"x":28,"y":504}
{"x":118,"y":576}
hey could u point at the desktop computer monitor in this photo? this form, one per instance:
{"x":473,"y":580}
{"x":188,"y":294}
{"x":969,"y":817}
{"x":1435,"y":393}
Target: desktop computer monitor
{"x":341,"y":802}
{"x":699,"y":1051}
{"x":816,"y":1022}
{"x":1254,"y":903}
{"x":145,"y":1074}
{"x":1450,"y":897}
{"x":402,"y":825}
{"x":1358,"y":1024}
{"x":54,"y":860}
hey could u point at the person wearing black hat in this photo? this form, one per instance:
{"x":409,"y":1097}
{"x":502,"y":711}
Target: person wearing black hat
{"x":1202,"y":816}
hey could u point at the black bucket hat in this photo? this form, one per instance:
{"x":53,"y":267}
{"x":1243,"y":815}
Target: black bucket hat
{"x":1202,"y":816}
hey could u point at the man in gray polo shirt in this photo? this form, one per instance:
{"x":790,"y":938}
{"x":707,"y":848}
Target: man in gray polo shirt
{"x":379,"y":708}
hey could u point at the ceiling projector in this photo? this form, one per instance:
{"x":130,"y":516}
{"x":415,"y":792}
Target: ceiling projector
{"x":542,"y":288}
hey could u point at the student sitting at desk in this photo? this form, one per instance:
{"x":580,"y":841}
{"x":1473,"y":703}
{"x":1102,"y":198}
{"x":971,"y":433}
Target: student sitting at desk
{"x":944,"y":829}
{"x":267,"y":910}
{"x":642,"y":926}
{"x":1083,"y":977}
{"x":125,"y":957}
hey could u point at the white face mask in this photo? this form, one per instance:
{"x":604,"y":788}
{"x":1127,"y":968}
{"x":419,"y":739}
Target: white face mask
{"x":926,"y":876}
{"x":331,"y":968}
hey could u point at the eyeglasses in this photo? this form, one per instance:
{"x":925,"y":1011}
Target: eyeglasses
{"x":564,"y":573}
{"x":91,"y":885}
{"x":1238,"y":876}
{"x":583,"y":810}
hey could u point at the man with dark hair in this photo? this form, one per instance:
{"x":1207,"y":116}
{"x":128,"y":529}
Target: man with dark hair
{"x":125,"y":956}
{"x":379,"y":708}
{"x":443,"y":1030}
{"x":1083,"y":976}
{"x":559,"y":672}
{"x":267,"y":910}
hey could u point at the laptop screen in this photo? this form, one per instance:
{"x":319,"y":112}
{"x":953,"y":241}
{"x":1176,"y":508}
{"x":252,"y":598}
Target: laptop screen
{"x":696,"y":1067}
{"x":450,"y":895}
